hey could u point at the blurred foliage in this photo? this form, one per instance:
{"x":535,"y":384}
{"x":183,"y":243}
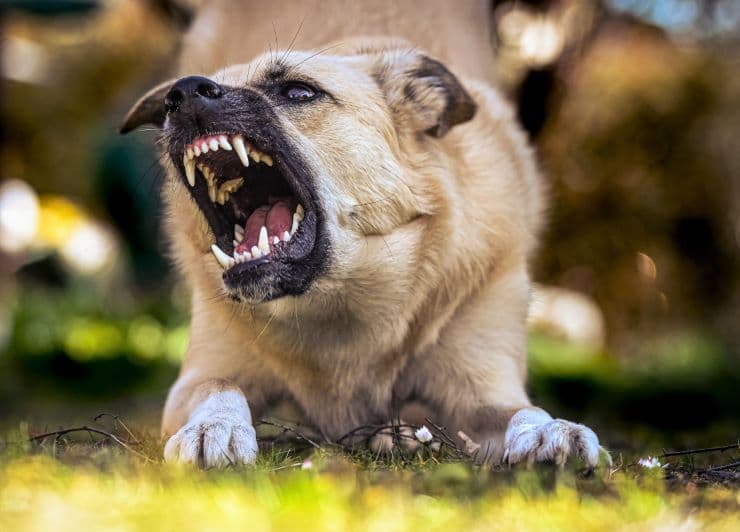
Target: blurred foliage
{"x":640,"y":150}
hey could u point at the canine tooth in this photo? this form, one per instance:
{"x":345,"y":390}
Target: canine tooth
{"x":299,"y":211}
{"x":224,"y":142}
{"x":241,"y":151}
{"x":264,"y":243}
{"x":223,"y":259}
{"x":235,"y":242}
{"x":212,"y":190}
{"x":286,"y":236}
{"x":189,"y":169}
{"x":256,"y":253}
{"x":213,"y":144}
{"x":239,"y":232}
{"x":196,"y":150}
{"x":275,"y":240}
{"x":267,"y":160}
{"x":294,"y":227}
{"x":204,"y":147}
{"x":190,"y":153}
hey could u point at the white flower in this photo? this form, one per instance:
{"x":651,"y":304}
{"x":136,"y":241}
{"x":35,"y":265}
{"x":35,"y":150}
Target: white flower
{"x":307,"y":464}
{"x":649,"y":463}
{"x":423,"y":434}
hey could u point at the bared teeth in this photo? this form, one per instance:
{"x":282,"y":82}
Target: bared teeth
{"x":223,"y":259}
{"x":300,"y":212}
{"x":267,"y":159}
{"x":224,"y":142}
{"x":239,"y":232}
{"x":286,"y":236}
{"x":241,"y":150}
{"x":275,"y":240}
{"x":189,"y":164}
{"x":294,"y":226}
{"x":256,"y":155}
{"x":204,"y":147}
{"x":190,"y":153}
{"x":228,"y":188}
{"x":196,"y":150}
{"x":256,"y":253}
{"x":242,"y":257}
{"x":213,"y":144}
{"x":264,"y":242}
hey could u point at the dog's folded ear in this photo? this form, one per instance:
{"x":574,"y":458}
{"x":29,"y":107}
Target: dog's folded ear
{"x":149,"y":109}
{"x":424,"y":92}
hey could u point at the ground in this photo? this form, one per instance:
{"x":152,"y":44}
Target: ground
{"x":115,"y":479}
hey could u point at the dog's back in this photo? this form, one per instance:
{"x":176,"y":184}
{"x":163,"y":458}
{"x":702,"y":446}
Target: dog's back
{"x":227,"y":32}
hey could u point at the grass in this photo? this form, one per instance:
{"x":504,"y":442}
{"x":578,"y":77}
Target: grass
{"x":74,"y":483}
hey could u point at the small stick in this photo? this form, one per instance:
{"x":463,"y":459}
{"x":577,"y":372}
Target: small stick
{"x":704,"y":450}
{"x":118,"y":419}
{"x":293,"y":430}
{"x":446,"y":439}
{"x":85,"y":428}
{"x":720,"y":468}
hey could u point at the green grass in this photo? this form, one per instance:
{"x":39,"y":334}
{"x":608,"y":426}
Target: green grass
{"x":74,"y":484}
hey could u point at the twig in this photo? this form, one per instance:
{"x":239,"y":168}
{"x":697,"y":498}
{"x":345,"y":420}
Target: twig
{"x":375,"y":429}
{"x":720,"y":468}
{"x":298,"y":434}
{"x":447,"y":439}
{"x":118,"y":420}
{"x":59,"y":433}
{"x":704,"y":450}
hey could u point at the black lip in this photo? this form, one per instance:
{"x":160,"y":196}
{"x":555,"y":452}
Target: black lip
{"x":290,"y":269}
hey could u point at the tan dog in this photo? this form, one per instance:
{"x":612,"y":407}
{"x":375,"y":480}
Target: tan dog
{"x":355,"y":226}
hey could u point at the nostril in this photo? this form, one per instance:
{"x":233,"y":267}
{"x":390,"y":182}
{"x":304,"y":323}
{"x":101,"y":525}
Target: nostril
{"x":208,"y":89}
{"x":173,"y":99}
{"x":188,"y":89}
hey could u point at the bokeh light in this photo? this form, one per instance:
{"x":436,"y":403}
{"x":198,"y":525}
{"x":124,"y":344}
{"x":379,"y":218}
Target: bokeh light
{"x":19,"y":215}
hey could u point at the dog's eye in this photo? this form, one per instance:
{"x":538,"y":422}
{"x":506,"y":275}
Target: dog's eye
{"x":298,"y":92}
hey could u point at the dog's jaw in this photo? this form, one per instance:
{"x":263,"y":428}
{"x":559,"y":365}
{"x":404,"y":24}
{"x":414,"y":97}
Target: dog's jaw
{"x":256,"y":193}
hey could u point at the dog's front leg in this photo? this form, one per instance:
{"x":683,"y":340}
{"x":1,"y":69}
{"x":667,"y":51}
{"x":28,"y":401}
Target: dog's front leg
{"x":215,"y":424}
{"x":477,"y":372}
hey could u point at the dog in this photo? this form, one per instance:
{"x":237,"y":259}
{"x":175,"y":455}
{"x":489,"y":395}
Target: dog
{"x":354,"y":217}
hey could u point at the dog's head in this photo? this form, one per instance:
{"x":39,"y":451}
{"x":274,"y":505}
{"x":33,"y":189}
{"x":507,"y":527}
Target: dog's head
{"x":295,"y":158}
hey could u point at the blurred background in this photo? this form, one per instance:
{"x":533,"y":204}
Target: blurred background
{"x":634,"y":107}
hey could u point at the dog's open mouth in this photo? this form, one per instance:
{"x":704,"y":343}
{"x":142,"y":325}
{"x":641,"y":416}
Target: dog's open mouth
{"x":253,"y":203}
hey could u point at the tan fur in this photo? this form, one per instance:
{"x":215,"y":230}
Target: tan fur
{"x":427,"y":292}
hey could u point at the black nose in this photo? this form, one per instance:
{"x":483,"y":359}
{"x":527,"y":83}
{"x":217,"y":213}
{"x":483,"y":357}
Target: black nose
{"x":186,"y":90}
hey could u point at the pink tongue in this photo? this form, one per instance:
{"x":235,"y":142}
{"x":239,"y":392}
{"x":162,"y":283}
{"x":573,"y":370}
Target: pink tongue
{"x":277,"y":217}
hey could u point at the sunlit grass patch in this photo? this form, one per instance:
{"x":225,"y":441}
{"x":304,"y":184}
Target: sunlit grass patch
{"x":101,"y":487}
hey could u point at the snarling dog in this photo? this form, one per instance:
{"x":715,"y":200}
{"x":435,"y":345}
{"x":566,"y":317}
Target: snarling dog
{"x":355,"y":227}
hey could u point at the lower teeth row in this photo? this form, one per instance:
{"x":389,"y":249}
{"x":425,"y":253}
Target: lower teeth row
{"x":263,"y":245}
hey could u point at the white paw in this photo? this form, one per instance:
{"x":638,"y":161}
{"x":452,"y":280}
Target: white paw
{"x":219,"y":433}
{"x":534,"y":436}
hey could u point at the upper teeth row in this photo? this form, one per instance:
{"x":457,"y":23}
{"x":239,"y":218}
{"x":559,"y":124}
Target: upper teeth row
{"x":261,"y":249}
{"x":244,"y":151}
